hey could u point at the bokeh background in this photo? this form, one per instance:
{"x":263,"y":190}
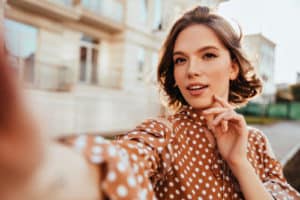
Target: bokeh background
{"x":89,"y":66}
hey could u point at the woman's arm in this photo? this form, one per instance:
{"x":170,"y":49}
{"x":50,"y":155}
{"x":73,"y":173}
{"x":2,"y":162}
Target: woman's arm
{"x":231,"y":134}
{"x":20,"y":142}
{"x":31,"y":168}
{"x":64,"y":174}
{"x":251,"y":186}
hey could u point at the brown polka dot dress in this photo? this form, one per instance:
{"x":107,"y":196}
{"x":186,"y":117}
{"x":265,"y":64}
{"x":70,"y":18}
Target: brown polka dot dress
{"x":173,"y":159}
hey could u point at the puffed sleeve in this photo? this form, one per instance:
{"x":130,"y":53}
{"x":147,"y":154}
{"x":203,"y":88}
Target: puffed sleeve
{"x":272,"y":174}
{"x":132,"y":163}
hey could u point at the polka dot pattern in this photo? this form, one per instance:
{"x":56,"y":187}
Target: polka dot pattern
{"x":173,"y":159}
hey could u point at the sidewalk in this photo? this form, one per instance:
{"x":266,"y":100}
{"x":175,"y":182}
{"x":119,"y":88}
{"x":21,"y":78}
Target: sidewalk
{"x":284,"y":138}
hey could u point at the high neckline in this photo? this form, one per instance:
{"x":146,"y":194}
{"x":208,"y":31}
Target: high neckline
{"x":194,"y":114}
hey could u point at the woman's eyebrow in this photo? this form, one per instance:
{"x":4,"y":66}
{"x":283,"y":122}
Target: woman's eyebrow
{"x":178,"y":53}
{"x":197,"y":51}
{"x":206,"y":48}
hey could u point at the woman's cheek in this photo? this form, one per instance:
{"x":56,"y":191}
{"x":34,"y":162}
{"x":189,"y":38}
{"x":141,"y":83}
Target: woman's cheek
{"x":219,"y":81}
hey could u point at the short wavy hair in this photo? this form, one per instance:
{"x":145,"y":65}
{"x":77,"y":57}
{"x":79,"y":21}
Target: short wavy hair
{"x":247,"y":84}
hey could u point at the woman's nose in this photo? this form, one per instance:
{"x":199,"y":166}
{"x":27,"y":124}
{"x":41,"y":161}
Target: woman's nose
{"x":193,"y":69}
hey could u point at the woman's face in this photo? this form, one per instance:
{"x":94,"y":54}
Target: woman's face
{"x":202,"y":66}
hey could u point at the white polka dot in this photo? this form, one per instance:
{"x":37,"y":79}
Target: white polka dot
{"x":122,"y":191}
{"x":134,"y":157}
{"x":131,"y":181}
{"x":111,"y":176}
{"x":121,"y":167}
{"x":112,"y":151}
{"x":99,"y":140}
{"x":140,"y":178}
{"x":159,"y":149}
{"x":171,"y":184}
{"x":96,"y":159}
{"x":96,"y":150}
{"x":182,"y":188}
{"x":80,"y":142}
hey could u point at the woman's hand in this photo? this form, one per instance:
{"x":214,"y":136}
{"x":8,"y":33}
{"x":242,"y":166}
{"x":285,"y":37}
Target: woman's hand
{"x":231,"y":134}
{"x":20,"y":141}
{"x":64,"y":174}
{"x":230,"y":131}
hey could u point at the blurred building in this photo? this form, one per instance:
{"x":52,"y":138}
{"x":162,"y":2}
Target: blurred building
{"x":212,"y":4}
{"x":102,"y":53}
{"x":261,"y":52}
{"x":1,"y":14}
{"x":298,"y":77}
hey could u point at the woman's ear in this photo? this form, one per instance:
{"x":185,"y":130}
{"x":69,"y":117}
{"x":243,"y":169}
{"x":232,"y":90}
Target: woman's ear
{"x":234,"y":71}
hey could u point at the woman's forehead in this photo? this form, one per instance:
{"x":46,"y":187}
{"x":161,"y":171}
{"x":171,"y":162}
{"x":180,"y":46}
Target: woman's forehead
{"x":196,"y":37}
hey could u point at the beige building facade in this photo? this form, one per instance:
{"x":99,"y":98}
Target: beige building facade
{"x":105,"y":50}
{"x":261,"y":52}
{"x":73,"y":42}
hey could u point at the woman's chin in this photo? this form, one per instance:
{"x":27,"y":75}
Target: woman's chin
{"x":201,"y":104}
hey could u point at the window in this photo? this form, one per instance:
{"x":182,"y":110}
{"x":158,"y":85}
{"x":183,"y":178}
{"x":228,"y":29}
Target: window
{"x":140,"y":64}
{"x":157,"y":19}
{"x":155,"y":60}
{"x":144,"y":11}
{"x":88,"y":60}
{"x":21,"y":44}
{"x":63,"y":2}
{"x":105,"y":8}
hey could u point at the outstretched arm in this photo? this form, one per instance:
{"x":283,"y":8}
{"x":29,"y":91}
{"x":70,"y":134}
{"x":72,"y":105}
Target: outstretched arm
{"x":30,"y":167}
{"x":20,"y":145}
{"x":64,"y":174}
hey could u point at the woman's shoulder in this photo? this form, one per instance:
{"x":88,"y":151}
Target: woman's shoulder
{"x":259,"y":139}
{"x":256,"y":132}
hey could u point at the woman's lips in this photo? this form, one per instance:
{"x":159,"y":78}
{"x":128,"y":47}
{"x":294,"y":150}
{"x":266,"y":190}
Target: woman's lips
{"x":197,"y":92}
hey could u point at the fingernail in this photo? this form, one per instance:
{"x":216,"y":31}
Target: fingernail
{"x":223,"y":128}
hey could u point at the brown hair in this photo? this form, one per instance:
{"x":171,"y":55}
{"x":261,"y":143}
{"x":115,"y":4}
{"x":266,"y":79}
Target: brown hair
{"x":247,"y":84}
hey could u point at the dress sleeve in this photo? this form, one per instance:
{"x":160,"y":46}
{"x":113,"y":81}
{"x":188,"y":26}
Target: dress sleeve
{"x":131,"y":163}
{"x":272,"y":175}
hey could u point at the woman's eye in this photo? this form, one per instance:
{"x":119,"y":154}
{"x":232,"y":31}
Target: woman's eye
{"x":179,"y":61}
{"x":209,"y":56}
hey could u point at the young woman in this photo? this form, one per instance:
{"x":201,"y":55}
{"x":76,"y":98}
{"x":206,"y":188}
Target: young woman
{"x":205,"y":150}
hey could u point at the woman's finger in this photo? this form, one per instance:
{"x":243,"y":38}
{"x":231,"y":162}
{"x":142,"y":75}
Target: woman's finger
{"x":222,"y":116}
{"x":215,"y":110}
{"x":222,"y":102}
{"x":225,"y":125}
